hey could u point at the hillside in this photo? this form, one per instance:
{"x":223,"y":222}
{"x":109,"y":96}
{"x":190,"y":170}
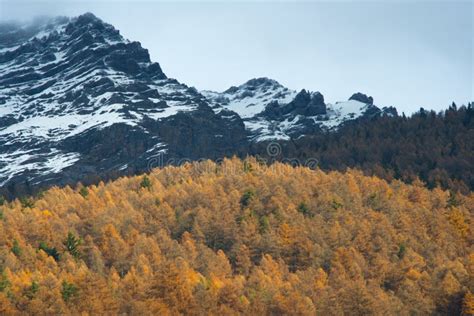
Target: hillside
{"x":239,"y":238}
{"x":437,"y":148}
{"x":79,"y":102}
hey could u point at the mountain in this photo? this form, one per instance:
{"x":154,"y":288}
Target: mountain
{"x":78,"y":101}
{"x":271,"y":111}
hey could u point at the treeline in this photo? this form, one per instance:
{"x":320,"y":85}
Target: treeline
{"x":437,"y":148}
{"x":239,"y":238}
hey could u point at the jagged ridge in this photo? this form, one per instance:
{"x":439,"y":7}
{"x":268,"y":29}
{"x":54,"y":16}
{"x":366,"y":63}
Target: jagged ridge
{"x":77,"y":100}
{"x":77,"y":95}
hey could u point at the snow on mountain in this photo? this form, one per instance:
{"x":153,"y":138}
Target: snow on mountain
{"x":78,"y":101}
{"x":341,"y":112}
{"x":63,"y":77}
{"x":48,"y":83}
{"x":271,"y":111}
{"x":250,"y":98}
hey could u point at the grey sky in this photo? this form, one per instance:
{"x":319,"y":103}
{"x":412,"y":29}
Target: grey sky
{"x":406,"y":54}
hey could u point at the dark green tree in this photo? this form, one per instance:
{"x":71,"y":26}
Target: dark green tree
{"x":68,"y":290}
{"x":247,"y":197}
{"x":50,"y":251}
{"x":304,"y":209}
{"x":4,"y":282}
{"x":72,"y":244}
{"x":16,"y":249}
{"x":32,"y":290}
{"x":84,"y":192}
{"x":146,"y":183}
{"x":27,"y":202}
{"x":402,"y":249}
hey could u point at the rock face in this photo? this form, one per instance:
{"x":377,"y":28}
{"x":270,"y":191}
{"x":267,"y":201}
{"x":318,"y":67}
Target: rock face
{"x":79,"y":102}
{"x":389,"y":111}
{"x":307,"y":104}
{"x":272,"y":112}
{"x":304,"y":103}
{"x":362,"y":98}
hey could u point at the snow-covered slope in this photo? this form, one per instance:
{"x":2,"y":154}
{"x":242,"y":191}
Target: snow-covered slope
{"x":271,"y":111}
{"x":251,"y":98}
{"x":78,"y":101}
{"x":62,"y":78}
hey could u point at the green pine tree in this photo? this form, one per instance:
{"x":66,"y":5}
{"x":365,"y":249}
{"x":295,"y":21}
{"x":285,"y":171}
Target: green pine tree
{"x":146,"y":183}
{"x":84,"y":192}
{"x":72,"y":244}
{"x":16,"y":249}
{"x":68,"y":290}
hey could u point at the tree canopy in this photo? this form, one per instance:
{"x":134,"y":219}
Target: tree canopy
{"x":239,"y":238}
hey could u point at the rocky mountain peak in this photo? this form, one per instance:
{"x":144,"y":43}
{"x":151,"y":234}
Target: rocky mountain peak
{"x":304,"y":98}
{"x":75,"y":95}
{"x":389,"y":111}
{"x":307,"y":104}
{"x":93,"y":27}
{"x":362,"y":98}
{"x":262,"y":83}
{"x":88,"y":18}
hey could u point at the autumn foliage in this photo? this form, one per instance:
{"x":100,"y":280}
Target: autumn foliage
{"x":227,"y":239}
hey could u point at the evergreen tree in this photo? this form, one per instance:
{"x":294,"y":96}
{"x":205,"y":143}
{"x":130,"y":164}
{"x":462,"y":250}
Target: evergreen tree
{"x":145,"y":183}
{"x":72,"y":244}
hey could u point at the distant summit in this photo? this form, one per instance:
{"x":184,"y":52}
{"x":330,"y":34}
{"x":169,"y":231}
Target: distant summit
{"x":362,"y":98}
{"x":271,"y":111}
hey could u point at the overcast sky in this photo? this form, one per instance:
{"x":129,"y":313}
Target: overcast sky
{"x":405,"y":54}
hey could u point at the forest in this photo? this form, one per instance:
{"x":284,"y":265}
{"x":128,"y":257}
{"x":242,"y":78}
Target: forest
{"x":437,"y":148}
{"x":242,"y":238}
